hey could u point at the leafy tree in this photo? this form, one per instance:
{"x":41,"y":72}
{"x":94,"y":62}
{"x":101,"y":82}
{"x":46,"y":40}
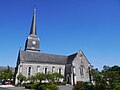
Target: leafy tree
{"x":8,"y":69}
{"x":1,"y":76}
{"x":6,"y":74}
{"x":112,"y":75}
{"x":105,"y":68}
{"x":57,"y":76}
{"x":96,"y":76}
{"x":21,"y":78}
{"x":108,"y":77}
{"x":40,"y":76}
{"x":50,"y":77}
{"x":32,"y":79}
{"x":98,"y":79}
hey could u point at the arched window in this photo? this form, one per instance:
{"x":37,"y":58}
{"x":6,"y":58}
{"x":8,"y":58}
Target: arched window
{"x":80,"y":57}
{"x":29,"y":71}
{"x":46,"y":70}
{"x":38,"y":69}
{"x":60,"y":70}
{"x":81,"y":70}
{"x":20,"y":69}
{"x":53,"y":69}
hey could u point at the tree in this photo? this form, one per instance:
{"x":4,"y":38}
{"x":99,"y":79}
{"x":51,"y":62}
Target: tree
{"x":6,"y":74}
{"x":32,"y":78}
{"x":111,"y":75}
{"x":97,"y":76}
{"x":105,"y":68}
{"x":1,"y":76}
{"x":21,"y":78}
{"x":40,"y":76}
{"x":50,"y":77}
{"x":57,"y":76}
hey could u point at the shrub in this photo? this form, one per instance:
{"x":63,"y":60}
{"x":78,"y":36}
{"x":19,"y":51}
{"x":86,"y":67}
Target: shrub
{"x":36,"y":85}
{"x":83,"y":86}
{"x":28,"y":86}
{"x":24,"y":84}
{"x":117,"y":86}
{"x":48,"y":87}
{"x":42,"y":87}
{"x":53,"y":87}
{"x":79,"y":86}
{"x":21,"y":78}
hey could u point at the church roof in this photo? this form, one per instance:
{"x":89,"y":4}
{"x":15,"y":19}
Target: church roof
{"x":71,"y":58}
{"x":37,"y":57}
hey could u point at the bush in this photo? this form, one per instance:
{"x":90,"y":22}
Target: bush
{"x":48,"y":87}
{"x":83,"y":86}
{"x":36,"y":85}
{"x":117,"y":86}
{"x":42,"y":87}
{"x":28,"y":86}
{"x":79,"y":86}
{"x":24,"y":84}
{"x":54,"y":87}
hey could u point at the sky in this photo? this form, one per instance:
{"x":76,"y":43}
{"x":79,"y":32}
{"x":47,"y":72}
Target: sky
{"x":64,"y":27}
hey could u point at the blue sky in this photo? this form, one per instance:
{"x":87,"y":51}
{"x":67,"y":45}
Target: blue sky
{"x":64,"y":27}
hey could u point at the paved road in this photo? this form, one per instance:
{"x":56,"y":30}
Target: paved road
{"x":67,"y":87}
{"x":13,"y":88}
{"x":9,"y":87}
{"x":3,"y":88}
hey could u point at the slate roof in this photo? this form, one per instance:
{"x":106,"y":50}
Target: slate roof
{"x":71,"y":58}
{"x":37,"y":57}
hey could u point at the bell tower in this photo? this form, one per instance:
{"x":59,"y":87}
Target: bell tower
{"x":33,"y":42}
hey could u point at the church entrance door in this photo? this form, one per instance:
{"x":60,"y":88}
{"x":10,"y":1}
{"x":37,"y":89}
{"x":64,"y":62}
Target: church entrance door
{"x":68,"y":79}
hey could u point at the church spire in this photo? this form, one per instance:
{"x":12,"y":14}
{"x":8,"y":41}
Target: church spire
{"x":33,"y":25}
{"x":33,"y":42}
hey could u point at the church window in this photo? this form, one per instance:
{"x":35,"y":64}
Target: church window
{"x":20,"y":69}
{"x":29,"y":71}
{"x":80,"y":57}
{"x":60,"y":70}
{"x":38,"y":69}
{"x":53,"y":69}
{"x":81,"y":71}
{"x":46,"y":70}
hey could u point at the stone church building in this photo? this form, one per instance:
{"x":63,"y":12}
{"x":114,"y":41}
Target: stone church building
{"x":31,"y":61}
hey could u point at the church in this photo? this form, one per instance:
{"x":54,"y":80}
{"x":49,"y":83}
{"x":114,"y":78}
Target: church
{"x":31,"y":61}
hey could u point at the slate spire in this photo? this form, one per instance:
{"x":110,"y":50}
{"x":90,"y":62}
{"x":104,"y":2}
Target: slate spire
{"x":33,"y":42}
{"x":33,"y":25}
